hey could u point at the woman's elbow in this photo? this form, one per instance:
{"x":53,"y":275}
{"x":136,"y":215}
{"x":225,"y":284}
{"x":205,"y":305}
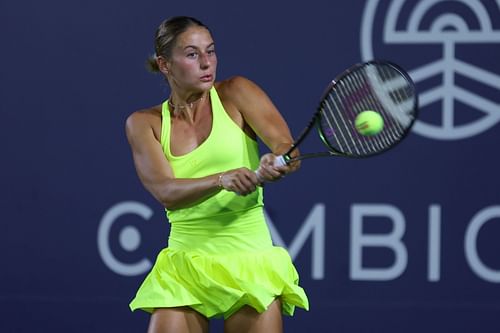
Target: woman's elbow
{"x":167,"y":201}
{"x":164,"y":196}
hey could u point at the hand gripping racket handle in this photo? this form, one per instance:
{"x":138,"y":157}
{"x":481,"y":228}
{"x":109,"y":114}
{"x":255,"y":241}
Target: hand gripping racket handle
{"x":278,"y":162}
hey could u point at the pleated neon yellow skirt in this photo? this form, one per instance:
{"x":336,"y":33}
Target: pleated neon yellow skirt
{"x":217,"y":266}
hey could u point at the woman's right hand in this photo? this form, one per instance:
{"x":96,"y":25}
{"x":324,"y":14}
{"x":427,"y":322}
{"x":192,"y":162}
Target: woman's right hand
{"x":270,"y":169}
{"x":241,"y":181}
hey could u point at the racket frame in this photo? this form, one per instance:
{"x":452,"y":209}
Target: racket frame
{"x":315,"y":120}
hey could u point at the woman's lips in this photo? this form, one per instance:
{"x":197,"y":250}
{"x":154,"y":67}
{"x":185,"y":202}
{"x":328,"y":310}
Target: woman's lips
{"x":206,"y":78}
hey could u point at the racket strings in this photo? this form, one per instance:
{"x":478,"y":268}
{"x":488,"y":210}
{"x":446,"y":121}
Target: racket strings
{"x":337,"y":125}
{"x":359,"y":82}
{"x":357,"y":105}
{"x":342,"y":105}
{"x":388,"y":85}
{"x":377,"y":87}
{"x":392,"y":132}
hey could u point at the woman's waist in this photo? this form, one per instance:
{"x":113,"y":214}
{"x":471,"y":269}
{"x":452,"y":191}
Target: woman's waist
{"x":224,"y":206}
{"x":244,"y":231}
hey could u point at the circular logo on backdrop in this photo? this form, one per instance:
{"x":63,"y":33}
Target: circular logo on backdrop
{"x":129,"y":238}
{"x":451,"y":51}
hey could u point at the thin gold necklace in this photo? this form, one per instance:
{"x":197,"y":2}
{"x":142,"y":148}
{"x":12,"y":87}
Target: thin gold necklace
{"x":185,"y":106}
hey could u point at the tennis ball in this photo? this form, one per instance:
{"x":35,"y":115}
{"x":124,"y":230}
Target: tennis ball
{"x":369,"y":123}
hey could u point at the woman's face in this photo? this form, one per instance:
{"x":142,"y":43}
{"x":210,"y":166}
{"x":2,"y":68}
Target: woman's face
{"x":193,"y":63}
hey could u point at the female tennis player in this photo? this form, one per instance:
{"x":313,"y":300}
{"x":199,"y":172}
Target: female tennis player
{"x":195,"y":153}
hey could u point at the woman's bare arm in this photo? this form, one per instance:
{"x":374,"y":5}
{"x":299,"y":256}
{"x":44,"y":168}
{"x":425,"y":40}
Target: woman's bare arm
{"x":155,"y":172}
{"x":266,"y":121}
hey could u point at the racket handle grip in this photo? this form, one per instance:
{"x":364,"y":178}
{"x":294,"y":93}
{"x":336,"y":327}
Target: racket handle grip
{"x":278,"y":162}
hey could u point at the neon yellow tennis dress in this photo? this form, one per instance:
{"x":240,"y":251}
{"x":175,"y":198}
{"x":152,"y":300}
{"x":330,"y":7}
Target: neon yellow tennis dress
{"x":220,"y":256}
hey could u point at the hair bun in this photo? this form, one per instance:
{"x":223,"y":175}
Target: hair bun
{"x":152,"y":65}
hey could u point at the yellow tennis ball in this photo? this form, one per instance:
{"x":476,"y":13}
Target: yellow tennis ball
{"x":369,"y":123}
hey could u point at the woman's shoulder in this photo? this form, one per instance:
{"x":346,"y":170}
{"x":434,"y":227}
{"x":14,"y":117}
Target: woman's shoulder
{"x":237,"y":88}
{"x":144,"y":119}
{"x":145,"y":115}
{"x":234,"y":84}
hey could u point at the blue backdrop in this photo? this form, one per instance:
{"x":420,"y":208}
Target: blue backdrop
{"x":407,"y":241}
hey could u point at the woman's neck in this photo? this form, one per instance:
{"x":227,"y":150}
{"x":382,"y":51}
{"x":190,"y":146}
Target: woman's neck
{"x":186,"y":108}
{"x":187,"y":104}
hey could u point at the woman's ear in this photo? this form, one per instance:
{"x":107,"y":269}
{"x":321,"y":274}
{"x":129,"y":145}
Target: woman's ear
{"x":163,"y":65}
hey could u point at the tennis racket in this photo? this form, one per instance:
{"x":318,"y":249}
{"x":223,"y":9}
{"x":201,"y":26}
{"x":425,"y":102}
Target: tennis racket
{"x":377,"y":85}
